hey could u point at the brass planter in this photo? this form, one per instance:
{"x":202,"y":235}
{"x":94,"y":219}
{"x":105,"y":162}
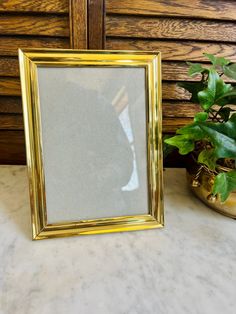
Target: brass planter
{"x":201,"y":182}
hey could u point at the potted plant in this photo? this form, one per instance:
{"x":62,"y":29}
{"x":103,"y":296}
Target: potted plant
{"x":210,"y":140}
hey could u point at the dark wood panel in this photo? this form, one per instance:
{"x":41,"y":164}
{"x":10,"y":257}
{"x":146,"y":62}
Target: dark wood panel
{"x":11,"y":122}
{"x":9,"y":66}
{"x":171,"y":71}
{"x":170,"y":125}
{"x":9,"y":45}
{"x":96,"y":28}
{"x":169,"y":28}
{"x":12,"y":147}
{"x":50,"y":6}
{"x":179,"y":109}
{"x":78,"y":24}
{"x":177,"y":114}
{"x":178,"y":71}
{"x":10,"y":104}
{"x":13,"y":104}
{"x":210,"y":9}
{"x":10,"y":86}
{"x":12,"y":150}
{"x":176,"y":50}
{"x":49,"y":25}
{"x":170,"y":90}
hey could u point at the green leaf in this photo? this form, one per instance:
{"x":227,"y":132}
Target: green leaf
{"x":193,"y":88}
{"x":222,"y":136}
{"x":211,"y":57}
{"x":208,"y":158}
{"x":230,"y":94}
{"x":230,"y":70}
{"x":227,"y":128}
{"x":217,"y":60}
{"x":184,"y":143}
{"x":201,"y":117}
{"x":195,"y":68}
{"x":224,"y":146}
{"x":224,"y":184}
{"x":167,"y":149}
{"x":215,"y":89}
{"x":193,"y":131}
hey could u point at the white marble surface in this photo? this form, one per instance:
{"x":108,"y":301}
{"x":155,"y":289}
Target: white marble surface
{"x":187,"y":267}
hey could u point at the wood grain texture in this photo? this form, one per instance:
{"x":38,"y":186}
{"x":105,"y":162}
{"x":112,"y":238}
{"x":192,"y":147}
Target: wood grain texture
{"x":9,"y":66}
{"x":171,"y":71}
{"x":182,"y":30}
{"x":11,"y":122}
{"x":44,"y":25}
{"x":49,"y":6}
{"x":78,"y":24}
{"x":96,"y":28}
{"x":10,"y":86}
{"x":9,"y":45}
{"x":10,"y":104}
{"x":210,"y":9}
{"x":170,"y":28}
{"x":175,"y":50}
{"x":170,"y":90}
{"x":12,"y":147}
{"x":177,"y":109}
{"x":178,"y":71}
{"x":170,"y":125}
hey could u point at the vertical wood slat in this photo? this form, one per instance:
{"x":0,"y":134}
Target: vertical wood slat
{"x":78,"y":24}
{"x":96,"y":24}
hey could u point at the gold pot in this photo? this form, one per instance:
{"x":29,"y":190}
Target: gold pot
{"x":201,"y":181}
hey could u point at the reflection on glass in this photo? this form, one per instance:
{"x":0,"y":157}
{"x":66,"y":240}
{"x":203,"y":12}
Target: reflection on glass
{"x":94,"y":142}
{"x":121,"y":105}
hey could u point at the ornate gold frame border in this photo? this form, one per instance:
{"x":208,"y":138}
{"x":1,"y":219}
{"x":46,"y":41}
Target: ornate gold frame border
{"x":30,"y":60}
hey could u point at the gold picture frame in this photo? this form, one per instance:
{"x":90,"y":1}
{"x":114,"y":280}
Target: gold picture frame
{"x":32,"y":61}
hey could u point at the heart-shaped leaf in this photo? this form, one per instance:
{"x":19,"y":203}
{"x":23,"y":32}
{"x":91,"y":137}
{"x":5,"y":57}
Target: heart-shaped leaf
{"x":217,"y":60}
{"x":192,"y":130}
{"x":224,"y":184}
{"x":195,"y":68}
{"x":227,"y":128}
{"x":184,"y":143}
{"x":231,"y":95}
{"x":224,"y":146}
{"x":216,"y":88}
{"x":230,"y":70}
{"x":208,"y":158}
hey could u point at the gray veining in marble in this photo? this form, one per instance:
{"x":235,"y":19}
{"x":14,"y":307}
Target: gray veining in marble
{"x":187,"y":267}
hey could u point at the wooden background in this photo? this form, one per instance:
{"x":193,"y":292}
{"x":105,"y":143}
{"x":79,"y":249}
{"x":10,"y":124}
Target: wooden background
{"x":181,"y":29}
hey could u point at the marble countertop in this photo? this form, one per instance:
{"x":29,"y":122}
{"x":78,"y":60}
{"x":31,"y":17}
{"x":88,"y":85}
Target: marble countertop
{"x":187,"y":267}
